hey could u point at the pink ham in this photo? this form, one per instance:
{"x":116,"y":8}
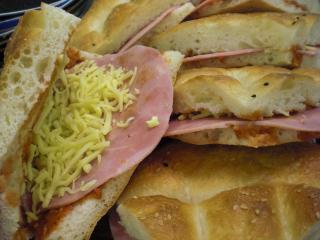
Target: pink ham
{"x":129,"y":146}
{"x":222,"y":54}
{"x":147,"y":29}
{"x":310,"y":52}
{"x":117,"y":230}
{"x":202,"y":4}
{"x":307,"y":121}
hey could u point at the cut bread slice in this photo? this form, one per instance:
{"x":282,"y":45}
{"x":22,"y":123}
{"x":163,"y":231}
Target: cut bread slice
{"x":277,"y":34}
{"x":237,"y":6}
{"x":108,"y":25}
{"x":78,"y":220}
{"x":248,"y":93}
{"x":29,"y":64}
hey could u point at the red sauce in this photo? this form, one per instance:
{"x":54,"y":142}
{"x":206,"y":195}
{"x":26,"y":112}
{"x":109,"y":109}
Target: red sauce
{"x":297,"y":57}
{"x":296,"y":4}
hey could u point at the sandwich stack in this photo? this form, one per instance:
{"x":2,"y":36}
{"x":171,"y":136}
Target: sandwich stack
{"x":233,"y":86}
{"x":250,"y":77}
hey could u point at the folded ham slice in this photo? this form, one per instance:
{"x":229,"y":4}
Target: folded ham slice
{"x":203,"y":4}
{"x":222,"y":54}
{"x":129,"y":146}
{"x":307,"y":121}
{"x":147,"y":29}
{"x":313,"y":51}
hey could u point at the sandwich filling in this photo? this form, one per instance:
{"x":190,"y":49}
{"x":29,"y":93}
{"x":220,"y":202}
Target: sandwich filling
{"x":147,"y":28}
{"x":71,"y":131}
{"x":101,"y":118}
{"x":252,"y":106}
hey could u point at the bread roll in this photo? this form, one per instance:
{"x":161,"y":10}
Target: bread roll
{"x":221,"y":192}
{"x":248,"y":93}
{"x":276,"y":33}
{"x":236,"y":6}
{"x":29,"y":63}
{"x":108,"y":25}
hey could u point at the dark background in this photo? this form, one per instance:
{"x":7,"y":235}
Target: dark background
{"x":16,"y":5}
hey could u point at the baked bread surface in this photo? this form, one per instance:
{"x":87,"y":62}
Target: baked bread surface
{"x":248,"y":93}
{"x":236,"y":6}
{"x":221,"y":192}
{"x":29,"y":63}
{"x":108,"y":25}
{"x":278,"y":34}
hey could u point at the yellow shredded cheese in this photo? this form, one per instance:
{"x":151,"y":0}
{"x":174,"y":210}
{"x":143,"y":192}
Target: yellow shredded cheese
{"x":153,"y":122}
{"x":71,"y":131}
{"x":31,"y":217}
{"x":124,"y":124}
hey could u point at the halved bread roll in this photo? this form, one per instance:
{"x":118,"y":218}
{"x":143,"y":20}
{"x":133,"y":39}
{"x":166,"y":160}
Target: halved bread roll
{"x":29,"y":64}
{"x":277,"y":35}
{"x":221,"y":192}
{"x":248,"y":93}
{"x":108,"y":25}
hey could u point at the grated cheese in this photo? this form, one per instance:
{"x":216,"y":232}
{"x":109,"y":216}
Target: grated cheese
{"x":71,"y":131}
{"x":153,"y":122}
{"x":125,"y":124}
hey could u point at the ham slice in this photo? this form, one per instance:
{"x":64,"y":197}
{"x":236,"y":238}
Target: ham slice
{"x":117,"y":230}
{"x":147,"y":29}
{"x":129,"y":146}
{"x":222,"y":54}
{"x":203,"y":4}
{"x":310,"y":52}
{"x":307,"y":121}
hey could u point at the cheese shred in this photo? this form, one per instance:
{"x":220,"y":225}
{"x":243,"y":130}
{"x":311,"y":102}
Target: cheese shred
{"x":153,"y":122}
{"x":70,"y":134}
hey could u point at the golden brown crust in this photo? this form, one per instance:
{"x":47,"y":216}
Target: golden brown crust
{"x":90,"y":31}
{"x":231,"y":192}
{"x":110,"y":24}
{"x":166,"y":218}
{"x":173,"y":166}
{"x":245,"y":6}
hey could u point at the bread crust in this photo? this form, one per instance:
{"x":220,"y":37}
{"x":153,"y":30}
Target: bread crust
{"x":110,"y":24}
{"x":78,"y":220}
{"x":22,"y":92}
{"x":236,"y":6}
{"x":225,"y":192}
{"x":277,"y":33}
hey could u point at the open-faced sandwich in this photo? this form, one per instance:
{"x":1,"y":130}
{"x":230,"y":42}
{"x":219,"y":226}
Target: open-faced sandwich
{"x":74,"y":126}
